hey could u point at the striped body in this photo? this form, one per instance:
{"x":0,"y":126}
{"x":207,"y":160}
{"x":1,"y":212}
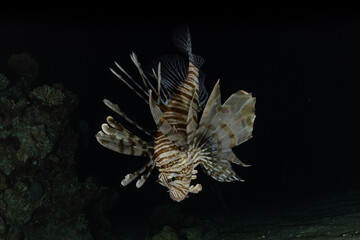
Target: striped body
{"x":172,"y":162}
{"x":181,"y":141}
{"x":177,"y":109}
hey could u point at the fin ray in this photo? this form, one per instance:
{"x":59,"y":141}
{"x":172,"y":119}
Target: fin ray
{"x":222,"y":127}
{"x":191,"y":123}
{"x":116,"y":109}
{"x":163,"y":125}
{"x":182,"y":40}
{"x":122,"y":146}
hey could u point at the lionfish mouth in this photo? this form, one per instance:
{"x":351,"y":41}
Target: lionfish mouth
{"x":177,"y":195}
{"x":177,"y":198}
{"x":180,"y":191}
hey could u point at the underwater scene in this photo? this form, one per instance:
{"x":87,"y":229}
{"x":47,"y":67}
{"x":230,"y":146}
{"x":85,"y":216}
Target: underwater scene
{"x":180,"y":128}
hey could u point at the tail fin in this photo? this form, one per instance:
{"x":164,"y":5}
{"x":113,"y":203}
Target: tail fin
{"x":222,"y":127}
{"x":182,"y":40}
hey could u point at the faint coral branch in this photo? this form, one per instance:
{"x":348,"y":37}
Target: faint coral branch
{"x":10,"y":108}
{"x":3,"y":182}
{"x":47,"y":96}
{"x":82,"y":223}
{"x":40,"y":194}
{"x":4,"y":81}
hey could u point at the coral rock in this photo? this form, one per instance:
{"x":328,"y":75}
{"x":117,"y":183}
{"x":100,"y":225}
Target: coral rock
{"x":41,"y":196}
{"x":47,"y":96}
{"x":4,"y":81}
{"x":167,"y":233}
{"x":192,"y":233}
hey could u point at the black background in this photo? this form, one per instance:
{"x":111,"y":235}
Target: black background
{"x":303,"y":68}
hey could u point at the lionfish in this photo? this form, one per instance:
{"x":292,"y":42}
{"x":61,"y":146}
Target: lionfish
{"x":175,"y":91}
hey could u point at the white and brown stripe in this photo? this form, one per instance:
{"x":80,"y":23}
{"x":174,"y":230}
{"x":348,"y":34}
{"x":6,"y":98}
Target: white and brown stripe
{"x":176,"y":163}
{"x":176,"y":111}
{"x":176,"y":114}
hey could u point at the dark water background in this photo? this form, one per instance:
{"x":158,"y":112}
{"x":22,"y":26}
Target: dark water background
{"x":304,"y":70}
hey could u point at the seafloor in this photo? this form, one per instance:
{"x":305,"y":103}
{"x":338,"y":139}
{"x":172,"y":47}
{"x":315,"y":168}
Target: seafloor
{"x":332,"y":218}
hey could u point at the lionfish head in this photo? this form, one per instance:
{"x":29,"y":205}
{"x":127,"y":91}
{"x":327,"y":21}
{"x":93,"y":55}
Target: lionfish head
{"x":178,"y":186}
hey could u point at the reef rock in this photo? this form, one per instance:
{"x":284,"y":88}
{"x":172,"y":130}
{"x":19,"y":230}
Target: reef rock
{"x":167,"y":233}
{"x":40,"y":194}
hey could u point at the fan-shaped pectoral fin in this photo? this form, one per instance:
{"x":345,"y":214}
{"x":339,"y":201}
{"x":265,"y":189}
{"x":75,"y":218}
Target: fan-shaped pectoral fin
{"x":163,"y":125}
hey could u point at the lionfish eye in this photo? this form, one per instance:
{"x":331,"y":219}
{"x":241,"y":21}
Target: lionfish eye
{"x":172,"y":179}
